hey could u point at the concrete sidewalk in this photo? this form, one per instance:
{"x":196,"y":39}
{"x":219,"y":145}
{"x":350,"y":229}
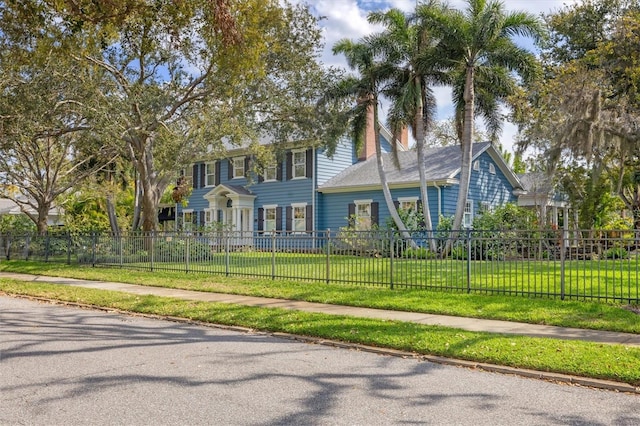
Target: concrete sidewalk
{"x":470,"y":324}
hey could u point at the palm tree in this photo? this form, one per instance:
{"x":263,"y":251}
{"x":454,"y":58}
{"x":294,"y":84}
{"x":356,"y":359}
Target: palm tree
{"x":476,"y":46}
{"x":407,"y":43}
{"x":366,"y":88}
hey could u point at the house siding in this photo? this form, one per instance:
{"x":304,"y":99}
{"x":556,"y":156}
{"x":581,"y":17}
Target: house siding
{"x":282,"y":193}
{"x":327,"y":168}
{"x":486,"y":187}
{"x":493,"y":189}
{"x":335,"y":212}
{"x":385,"y":145}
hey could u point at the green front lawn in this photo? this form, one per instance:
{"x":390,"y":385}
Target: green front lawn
{"x":606,"y":278}
{"x":579,"y":314}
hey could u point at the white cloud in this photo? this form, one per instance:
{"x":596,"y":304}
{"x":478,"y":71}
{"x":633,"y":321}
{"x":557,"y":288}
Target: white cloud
{"x":341,"y":19}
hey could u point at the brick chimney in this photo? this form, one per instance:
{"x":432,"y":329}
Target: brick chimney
{"x":403,"y":138}
{"x":369,"y":146}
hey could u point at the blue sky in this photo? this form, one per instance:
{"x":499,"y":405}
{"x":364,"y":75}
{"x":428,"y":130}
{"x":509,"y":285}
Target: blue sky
{"x":348,"y":19}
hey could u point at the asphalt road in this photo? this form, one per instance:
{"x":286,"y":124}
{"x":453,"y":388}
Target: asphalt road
{"x":68,"y":366}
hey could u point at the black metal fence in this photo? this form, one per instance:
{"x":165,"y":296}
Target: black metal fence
{"x":582,"y":265}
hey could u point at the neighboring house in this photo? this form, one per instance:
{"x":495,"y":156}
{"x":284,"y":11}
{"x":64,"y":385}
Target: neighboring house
{"x":9,"y":207}
{"x":540,"y":193}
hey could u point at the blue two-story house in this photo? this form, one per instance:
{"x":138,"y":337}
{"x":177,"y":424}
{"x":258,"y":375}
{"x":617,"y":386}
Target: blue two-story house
{"x":309,"y":191}
{"x":227,"y":193}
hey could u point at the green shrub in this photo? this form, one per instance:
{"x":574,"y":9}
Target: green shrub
{"x":443,"y":231}
{"x":459,"y":252}
{"x":616,"y":253}
{"x":16,"y":224}
{"x":352,"y":241}
{"x":418,"y":253}
{"x":175,"y":250}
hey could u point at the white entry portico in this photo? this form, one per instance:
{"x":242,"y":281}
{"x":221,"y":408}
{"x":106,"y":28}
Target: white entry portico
{"x":231,"y":206}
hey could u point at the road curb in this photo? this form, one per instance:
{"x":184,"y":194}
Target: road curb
{"x":525,"y":373}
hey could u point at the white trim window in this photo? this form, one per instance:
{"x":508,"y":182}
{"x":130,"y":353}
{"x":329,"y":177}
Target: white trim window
{"x":187,"y":219}
{"x":299,"y":217}
{"x":467,"y":219}
{"x":408,"y":203}
{"x":363,"y":215}
{"x":209,"y":216}
{"x":238,"y":167}
{"x":476,"y":165}
{"x":492,"y":168}
{"x":210,"y":174}
{"x":270,"y":215}
{"x":299,"y":163}
{"x":270,"y":173}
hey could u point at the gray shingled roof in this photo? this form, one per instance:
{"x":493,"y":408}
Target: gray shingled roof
{"x":536,"y":182}
{"x":10,"y":207}
{"x":442,"y":163}
{"x":239,"y":189}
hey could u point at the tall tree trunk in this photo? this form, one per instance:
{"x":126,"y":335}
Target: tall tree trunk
{"x":42,"y":224}
{"x":152,"y":188}
{"x":135,"y":225}
{"x":111,"y":212}
{"x":635,"y":207}
{"x":467,"y":145}
{"x":465,"y":164}
{"x":150,"y":201}
{"x":383,"y":180}
{"x":421,"y":135}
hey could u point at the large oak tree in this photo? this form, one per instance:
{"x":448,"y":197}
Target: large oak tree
{"x":180,"y":80}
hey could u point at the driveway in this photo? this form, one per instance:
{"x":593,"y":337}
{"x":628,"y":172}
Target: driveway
{"x":62,"y":365}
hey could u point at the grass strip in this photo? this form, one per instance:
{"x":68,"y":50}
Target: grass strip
{"x":577,"y":314}
{"x":610,"y":362}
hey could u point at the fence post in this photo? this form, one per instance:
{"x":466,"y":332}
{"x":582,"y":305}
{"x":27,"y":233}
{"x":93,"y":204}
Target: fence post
{"x":121,"y":244}
{"x":273,"y":254}
{"x":151,"y":249}
{"x":226,"y":252}
{"x":27,"y":244}
{"x":328,"y":260}
{"x":94,"y":243}
{"x":7,"y":246}
{"x":468,"y":260}
{"x":562,"y":264}
{"x":47,"y":246}
{"x":69,"y":248}
{"x":392,"y":249}
{"x":187,"y":253}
